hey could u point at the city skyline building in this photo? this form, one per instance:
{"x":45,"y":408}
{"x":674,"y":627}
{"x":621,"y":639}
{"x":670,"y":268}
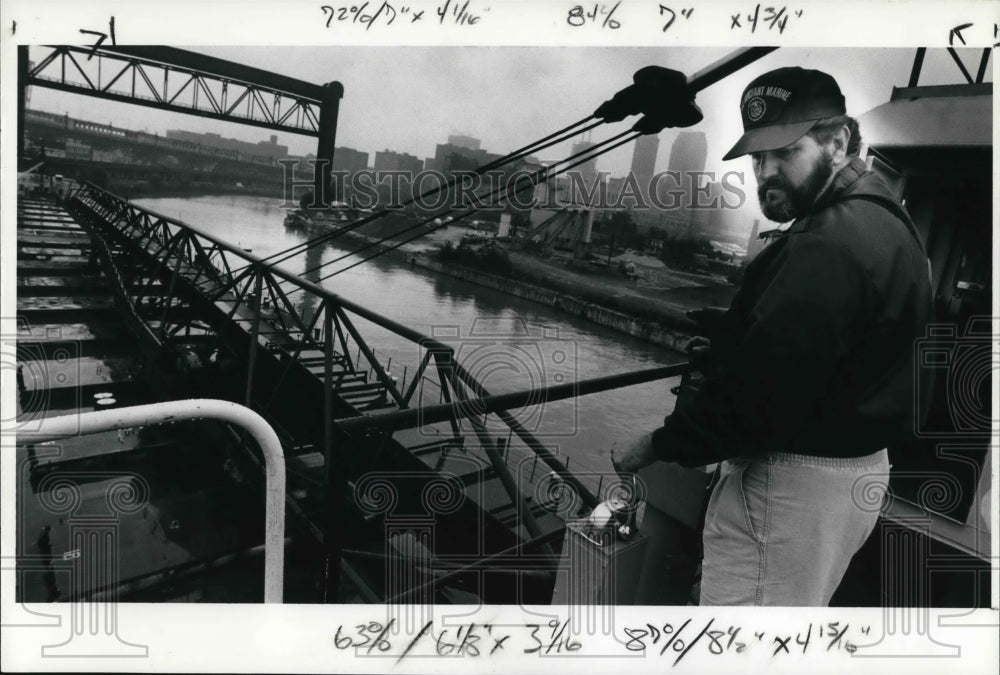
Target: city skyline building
{"x":390,"y":160}
{"x":586,"y":172}
{"x":349,"y":160}
{"x":687,"y":157}
{"x":463,"y":141}
{"x":644,"y":162}
{"x":644,"y":156}
{"x":269,"y":148}
{"x":688,"y":152}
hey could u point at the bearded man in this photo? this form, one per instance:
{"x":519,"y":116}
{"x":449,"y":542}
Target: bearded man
{"x":810,"y":376}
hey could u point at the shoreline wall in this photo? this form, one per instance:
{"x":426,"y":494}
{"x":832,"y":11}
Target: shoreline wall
{"x":649,"y":331}
{"x":671,"y":337}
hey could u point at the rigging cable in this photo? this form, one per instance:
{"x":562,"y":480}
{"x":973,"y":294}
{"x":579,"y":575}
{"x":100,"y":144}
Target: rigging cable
{"x":282,"y":256}
{"x":664,"y":97}
{"x":531,"y":179}
{"x":287,"y":254}
{"x":393,"y":247}
{"x":541,"y":144}
{"x":592,"y":152}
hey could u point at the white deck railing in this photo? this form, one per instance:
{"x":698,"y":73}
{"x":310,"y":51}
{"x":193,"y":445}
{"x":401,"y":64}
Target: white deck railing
{"x":65,"y":426}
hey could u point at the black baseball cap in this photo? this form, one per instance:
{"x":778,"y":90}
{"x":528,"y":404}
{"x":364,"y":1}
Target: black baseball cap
{"x":779,"y":107}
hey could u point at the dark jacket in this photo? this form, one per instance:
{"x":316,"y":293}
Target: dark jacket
{"x":815,"y":355}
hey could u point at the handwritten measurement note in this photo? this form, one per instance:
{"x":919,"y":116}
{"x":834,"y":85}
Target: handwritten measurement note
{"x":583,"y":17}
{"x":604,"y":16}
{"x":384,"y":13}
{"x":679,"y":640}
{"x":670,"y":16}
{"x":770,"y":18}
{"x":671,"y":641}
{"x":471,"y":640}
{"x":597,"y":14}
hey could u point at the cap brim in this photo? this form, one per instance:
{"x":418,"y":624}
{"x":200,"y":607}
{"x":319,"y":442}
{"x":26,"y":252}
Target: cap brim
{"x":769,"y":138}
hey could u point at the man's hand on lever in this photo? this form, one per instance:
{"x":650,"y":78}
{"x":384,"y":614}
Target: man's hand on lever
{"x":634,"y":457}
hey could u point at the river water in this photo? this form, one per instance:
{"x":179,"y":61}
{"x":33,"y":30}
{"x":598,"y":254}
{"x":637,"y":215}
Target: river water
{"x":507,"y":343}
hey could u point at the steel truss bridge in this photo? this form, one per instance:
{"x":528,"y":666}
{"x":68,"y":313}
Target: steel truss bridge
{"x":177,"y":80}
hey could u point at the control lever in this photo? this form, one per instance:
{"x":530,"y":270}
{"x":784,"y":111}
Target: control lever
{"x":603,"y":519}
{"x":627,"y":525}
{"x":614,"y":515}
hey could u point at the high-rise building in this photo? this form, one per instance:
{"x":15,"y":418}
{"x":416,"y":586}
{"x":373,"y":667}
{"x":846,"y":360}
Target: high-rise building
{"x":585,"y":173}
{"x":644,"y":160}
{"x":589,"y":168}
{"x":464,"y":141}
{"x":450,"y":157}
{"x":349,"y":160}
{"x":687,"y":156}
{"x":269,"y":148}
{"x":689,"y":152}
{"x":388,"y":160}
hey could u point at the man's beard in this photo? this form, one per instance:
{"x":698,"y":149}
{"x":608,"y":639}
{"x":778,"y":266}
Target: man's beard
{"x":797,"y":199}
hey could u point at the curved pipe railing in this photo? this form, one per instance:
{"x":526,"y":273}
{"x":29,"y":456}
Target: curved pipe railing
{"x":65,"y":426}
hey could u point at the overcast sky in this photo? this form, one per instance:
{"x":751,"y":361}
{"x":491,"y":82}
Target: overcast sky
{"x":409,"y":99}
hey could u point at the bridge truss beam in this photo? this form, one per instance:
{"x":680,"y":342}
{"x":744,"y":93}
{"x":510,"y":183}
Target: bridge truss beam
{"x":182,"y":283}
{"x":186,"y":82}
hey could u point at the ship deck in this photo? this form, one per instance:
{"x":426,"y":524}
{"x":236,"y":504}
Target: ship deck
{"x":184,"y":501}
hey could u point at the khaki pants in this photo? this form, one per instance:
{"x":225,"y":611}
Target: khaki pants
{"x":781,"y":529}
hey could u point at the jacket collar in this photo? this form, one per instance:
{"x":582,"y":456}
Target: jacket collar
{"x":844,"y":179}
